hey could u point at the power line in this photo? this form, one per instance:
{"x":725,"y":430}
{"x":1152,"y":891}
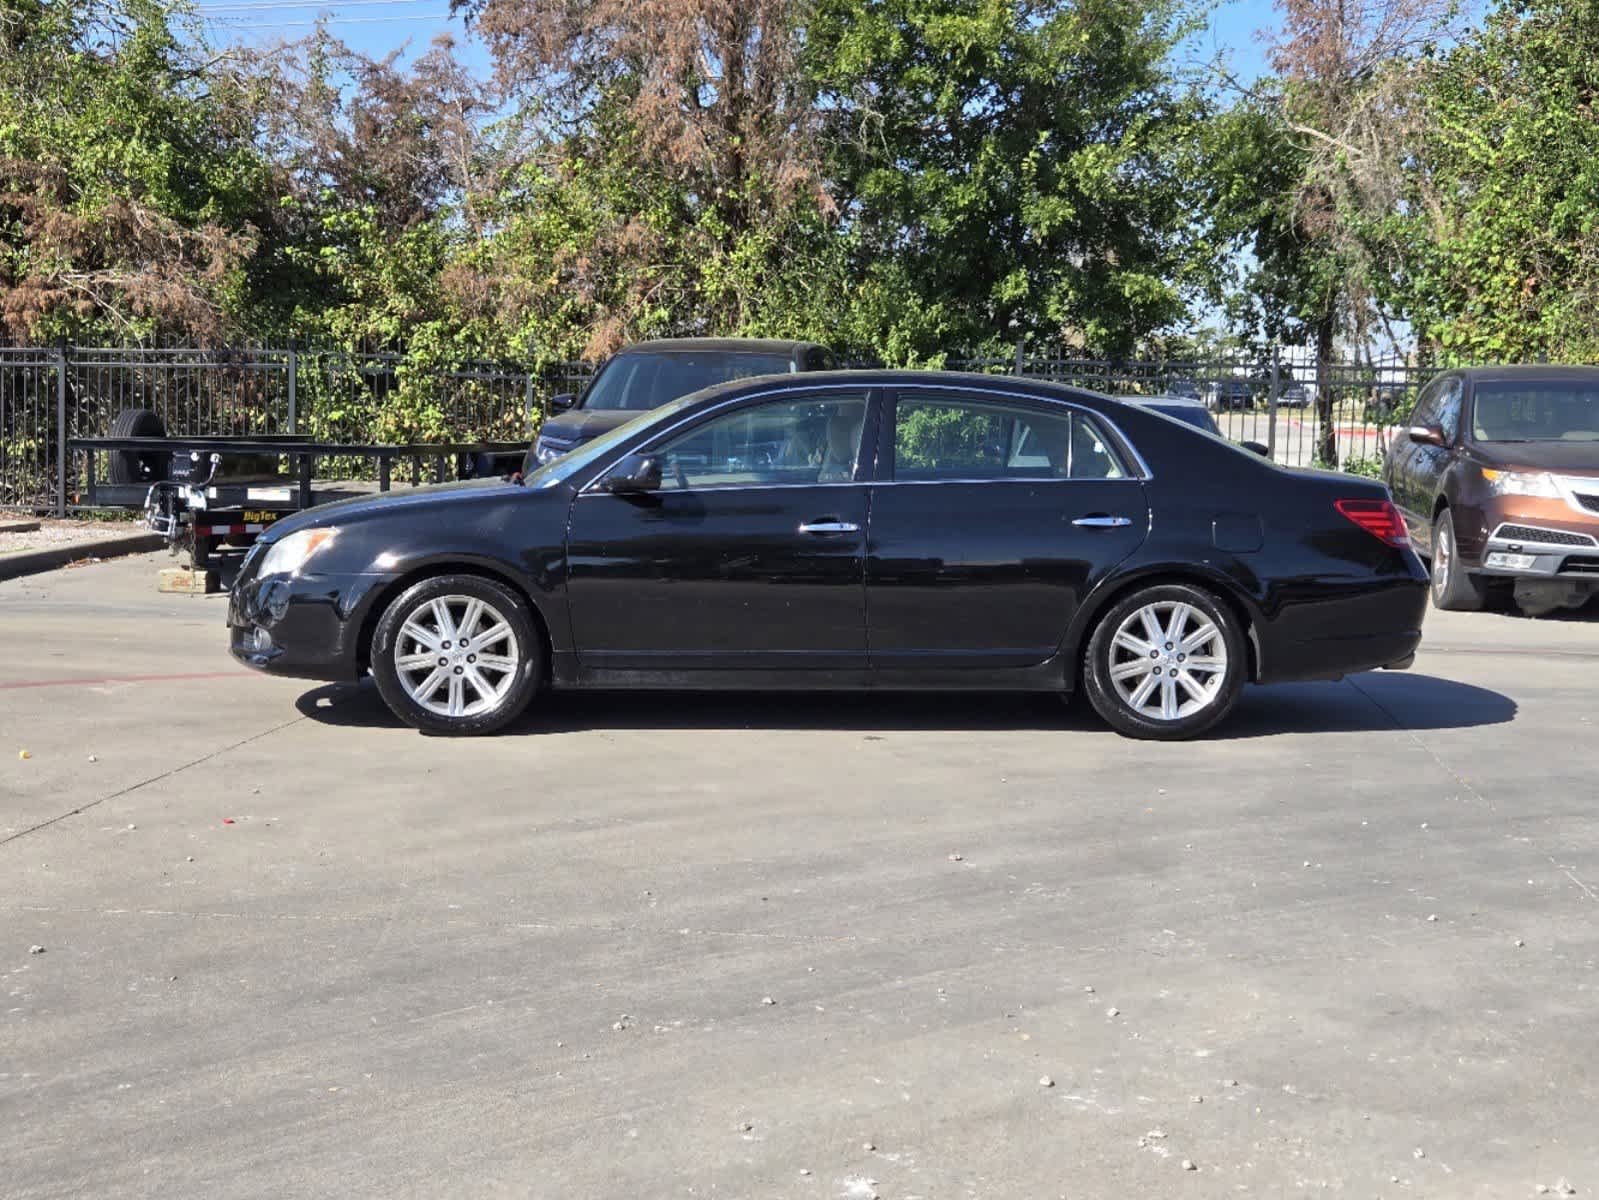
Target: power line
{"x":206,"y":9}
{"x":229,"y":21}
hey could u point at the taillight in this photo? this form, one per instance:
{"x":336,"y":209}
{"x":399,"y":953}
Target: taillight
{"x":1377,"y":517}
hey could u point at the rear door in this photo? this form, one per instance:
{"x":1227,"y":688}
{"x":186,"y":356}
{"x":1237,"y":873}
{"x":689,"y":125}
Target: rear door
{"x":994,"y":517}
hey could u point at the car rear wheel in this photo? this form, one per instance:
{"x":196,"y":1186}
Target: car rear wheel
{"x":457,"y":655}
{"x":1166,"y":662}
{"x":1454,"y":589}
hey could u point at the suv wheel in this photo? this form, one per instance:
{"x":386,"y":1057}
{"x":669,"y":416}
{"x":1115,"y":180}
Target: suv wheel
{"x":1454,"y":589}
{"x":457,"y":655}
{"x":1166,"y":663}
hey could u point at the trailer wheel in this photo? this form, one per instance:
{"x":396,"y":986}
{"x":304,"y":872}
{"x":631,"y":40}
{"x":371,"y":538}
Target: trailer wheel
{"x":132,"y":466}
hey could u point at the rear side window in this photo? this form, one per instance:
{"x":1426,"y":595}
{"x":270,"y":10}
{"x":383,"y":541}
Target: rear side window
{"x":957,"y":438}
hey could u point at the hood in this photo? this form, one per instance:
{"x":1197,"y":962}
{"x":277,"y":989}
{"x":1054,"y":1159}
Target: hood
{"x":581,"y":425}
{"x":362,"y":508}
{"x":1563,"y":458}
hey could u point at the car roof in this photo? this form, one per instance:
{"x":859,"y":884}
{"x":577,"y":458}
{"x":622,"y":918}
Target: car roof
{"x":1045,"y":389}
{"x":1529,"y":372}
{"x":722,"y":346}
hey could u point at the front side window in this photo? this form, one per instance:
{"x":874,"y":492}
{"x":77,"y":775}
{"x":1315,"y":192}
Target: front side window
{"x":1426,"y":410}
{"x":1536,"y":412}
{"x":1449,"y":398}
{"x":809,"y":441}
{"x":938,"y":437}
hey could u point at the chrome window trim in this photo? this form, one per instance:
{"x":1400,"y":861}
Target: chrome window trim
{"x":1145,"y":473}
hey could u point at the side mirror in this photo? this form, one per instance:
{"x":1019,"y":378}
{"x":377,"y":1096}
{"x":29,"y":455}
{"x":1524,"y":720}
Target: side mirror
{"x":635,"y":473}
{"x":1427,"y":435}
{"x":1256,"y":448}
{"x":562,"y":402}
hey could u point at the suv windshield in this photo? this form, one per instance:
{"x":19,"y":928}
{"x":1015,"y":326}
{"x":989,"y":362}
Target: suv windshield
{"x":637,"y":381}
{"x":1536,"y":412}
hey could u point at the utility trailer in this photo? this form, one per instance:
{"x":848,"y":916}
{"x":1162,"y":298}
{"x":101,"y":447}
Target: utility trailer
{"x":213,"y":496}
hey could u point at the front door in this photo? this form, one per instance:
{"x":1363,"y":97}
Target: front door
{"x":751,"y":555}
{"x":997,"y":518}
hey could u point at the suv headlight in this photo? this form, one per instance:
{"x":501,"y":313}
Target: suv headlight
{"x":1518,"y":483}
{"x":287,"y":556}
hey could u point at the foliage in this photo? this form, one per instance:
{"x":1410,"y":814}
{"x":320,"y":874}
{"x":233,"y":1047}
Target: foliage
{"x":1012,"y":168}
{"x":1495,"y":251}
{"x":128,"y":175}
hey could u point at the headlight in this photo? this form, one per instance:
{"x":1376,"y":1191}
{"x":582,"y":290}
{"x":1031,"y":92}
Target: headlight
{"x":544,"y":452}
{"x":286,"y":557}
{"x":1516,"y":483}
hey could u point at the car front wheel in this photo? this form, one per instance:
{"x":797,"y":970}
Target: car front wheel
{"x":457,"y":655}
{"x":1454,"y":589}
{"x":1166,"y":662}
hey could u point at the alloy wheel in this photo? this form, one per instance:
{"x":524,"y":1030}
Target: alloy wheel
{"x":457,"y":656}
{"x":1168,"y":661}
{"x":1442,"y":554}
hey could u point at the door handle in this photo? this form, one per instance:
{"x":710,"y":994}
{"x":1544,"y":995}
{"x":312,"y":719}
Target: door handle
{"x":1102,"y":521}
{"x":829,"y":527}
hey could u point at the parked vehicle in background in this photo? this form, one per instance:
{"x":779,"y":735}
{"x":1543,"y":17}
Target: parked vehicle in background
{"x":1226,"y":395}
{"x":1294,"y":395}
{"x":1189,"y":412}
{"x":648,"y":374}
{"x":916,"y":530}
{"x":1498,"y":478}
{"x":1185,"y":389}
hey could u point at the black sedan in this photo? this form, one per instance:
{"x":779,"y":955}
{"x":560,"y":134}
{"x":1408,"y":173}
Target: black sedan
{"x":851,"y":529}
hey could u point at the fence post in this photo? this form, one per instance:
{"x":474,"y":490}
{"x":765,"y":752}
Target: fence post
{"x":1021,"y":356}
{"x":294,"y":376}
{"x":527,"y":400}
{"x":61,"y":429}
{"x":1271,"y":407}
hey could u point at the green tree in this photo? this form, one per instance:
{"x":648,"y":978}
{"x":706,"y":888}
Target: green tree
{"x":1495,"y":254}
{"x":1016,"y":168}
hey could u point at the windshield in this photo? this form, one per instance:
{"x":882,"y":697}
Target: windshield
{"x":1536,"y":412}
{"x":640,"y":380}
{"x":558,"y":470}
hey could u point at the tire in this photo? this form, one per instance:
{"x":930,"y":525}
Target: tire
{"x":422,"y":679}
{"x":130,"y":466}
{"x":1454,"y":589}
{"x":1129,"y":700}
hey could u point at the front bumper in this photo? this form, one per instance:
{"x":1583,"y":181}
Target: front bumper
{"x":308,"y":626}
{"x":1521,"y":550}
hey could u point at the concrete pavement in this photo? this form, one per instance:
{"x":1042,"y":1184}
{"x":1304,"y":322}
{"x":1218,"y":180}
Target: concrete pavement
{"x":292,"y":949}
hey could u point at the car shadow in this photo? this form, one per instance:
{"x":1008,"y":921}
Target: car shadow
{"x":1370,"y":702}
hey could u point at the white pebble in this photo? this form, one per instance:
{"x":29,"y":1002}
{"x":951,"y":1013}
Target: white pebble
{"x":1432,"y":916}
{"x":35,"y":949}
{"x":1113,"y":1012}
{"x":767,"y":1000}
{"x":1044,"y":1081}
{"x":954,"y":858}
{"x":93,"y":758}
{"x":868,"y":1146}
{"x":1188,"y":1165}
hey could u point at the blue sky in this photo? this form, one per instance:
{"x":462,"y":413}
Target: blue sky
{"x":378,"y":27}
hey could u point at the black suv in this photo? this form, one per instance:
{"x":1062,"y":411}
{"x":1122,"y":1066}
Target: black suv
{"x":647,"y":375}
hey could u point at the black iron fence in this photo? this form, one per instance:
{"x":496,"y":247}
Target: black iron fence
{"x":48,"y":395}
